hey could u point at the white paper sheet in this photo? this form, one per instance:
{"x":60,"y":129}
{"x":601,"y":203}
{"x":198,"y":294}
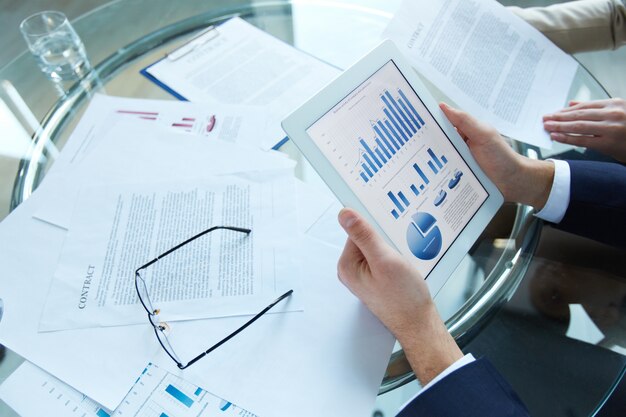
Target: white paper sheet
{"x":119,"y":227}
{"x":243,"y":125}
{"x":489,"y":61}
{"x":239,"y":64}
{"x":101,"y":363}
{"x":328,"y":360}
{"x":32,"y":392}
{"x":135,"y":150}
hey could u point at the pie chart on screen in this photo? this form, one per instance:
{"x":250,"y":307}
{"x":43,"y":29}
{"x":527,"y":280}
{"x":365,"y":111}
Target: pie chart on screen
{"x":423,"y":236}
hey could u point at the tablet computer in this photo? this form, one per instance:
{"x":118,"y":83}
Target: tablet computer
{"x":380,"y":142}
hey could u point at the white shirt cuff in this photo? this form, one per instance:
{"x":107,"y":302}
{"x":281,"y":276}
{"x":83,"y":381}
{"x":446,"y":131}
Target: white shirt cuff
{"x":558,"y":200}
{"x":467,"y":359}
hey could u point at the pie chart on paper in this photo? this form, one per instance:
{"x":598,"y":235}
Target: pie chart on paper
{"x":423,"y":236}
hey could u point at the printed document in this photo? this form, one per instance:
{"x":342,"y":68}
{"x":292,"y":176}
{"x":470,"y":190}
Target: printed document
{"x":118,"y":228}
{"x":111,"y":155}
{"x":236,"y":63}
{"x":487,"y":60}
{"x":32,"y":392}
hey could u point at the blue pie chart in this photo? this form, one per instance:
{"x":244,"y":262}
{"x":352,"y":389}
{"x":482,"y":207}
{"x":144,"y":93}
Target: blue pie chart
{"x":423,"y":236}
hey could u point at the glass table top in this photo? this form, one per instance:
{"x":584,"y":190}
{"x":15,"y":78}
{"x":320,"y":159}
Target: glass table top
{"x":511,"y":297}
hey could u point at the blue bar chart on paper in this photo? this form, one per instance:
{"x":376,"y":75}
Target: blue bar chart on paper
{"x":399,"y":199}
{"x":156,"y":393}
{"x":397,"y":124}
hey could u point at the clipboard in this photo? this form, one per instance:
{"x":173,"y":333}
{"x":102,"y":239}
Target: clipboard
{"x":178,"y":53}
{"x":182,"y":51}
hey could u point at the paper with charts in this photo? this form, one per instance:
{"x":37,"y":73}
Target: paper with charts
{"x":118,"y":228}
{"x":390,"y":150}
{"x":237,"y":63}
{"x":32,"y":392}
{"x":489,"y":61}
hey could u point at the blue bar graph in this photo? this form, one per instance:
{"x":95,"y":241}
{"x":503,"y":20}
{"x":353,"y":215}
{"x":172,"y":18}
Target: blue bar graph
{"x":383,"y":147}
{"x":366,"y":169}
{"x":380,"y":155}
{"x":406,"y":110}
{"x":397,"y":126}
{"x":179,"y":395}
{"x":432,"y":166}
{"x":411,"y":129}
{"x":395,"y":201}
{"x":395,"y":214}
{"x":396,"y":118}
{"x":403,"y":198}
{"x":391,"y":133}
{"x":432,"y":155}
{"x":198,"y":392}
{"x":444,"y":159}
{"x":421,"y":174}
{"x":224,"y":405}
{"x":370,"y":163}
{"x":414,"y":189}
{"x":102,"y":413}
{"x":370,"y":153}
{"x":391,"y":138}
{"x":411,"y":107}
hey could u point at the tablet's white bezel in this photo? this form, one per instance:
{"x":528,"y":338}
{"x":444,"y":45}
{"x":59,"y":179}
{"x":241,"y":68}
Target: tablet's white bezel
{"x":301,"y":119}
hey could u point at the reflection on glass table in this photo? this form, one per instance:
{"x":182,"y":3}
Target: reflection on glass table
{"x":482,"y":309}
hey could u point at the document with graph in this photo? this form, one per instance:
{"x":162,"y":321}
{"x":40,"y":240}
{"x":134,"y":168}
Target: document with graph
{"x":32,"y":392}
{"x":391,"y":152}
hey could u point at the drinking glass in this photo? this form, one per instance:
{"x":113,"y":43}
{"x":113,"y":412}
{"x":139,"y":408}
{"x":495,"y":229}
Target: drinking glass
{"x":56,"y":46}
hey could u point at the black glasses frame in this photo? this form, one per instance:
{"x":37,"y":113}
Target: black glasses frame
{"x":160,"y":328}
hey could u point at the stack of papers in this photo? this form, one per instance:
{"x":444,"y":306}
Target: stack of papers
{"x":124,"y":189}
{"x":135,"y":178}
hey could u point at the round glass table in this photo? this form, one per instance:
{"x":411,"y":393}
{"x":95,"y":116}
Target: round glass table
{"x":523,"y":295}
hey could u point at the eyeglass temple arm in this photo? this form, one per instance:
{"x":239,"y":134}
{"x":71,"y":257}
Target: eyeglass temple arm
{"x":164,"y":254}
{"x":236,"y":332}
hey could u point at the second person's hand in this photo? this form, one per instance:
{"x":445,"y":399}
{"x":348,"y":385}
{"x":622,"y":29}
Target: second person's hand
{"x":598,"y":125}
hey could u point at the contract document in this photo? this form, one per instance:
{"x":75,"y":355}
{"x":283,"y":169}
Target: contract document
{"x":118,"y":228}
{"x":489,"y":61}
{"x":236,"y":63}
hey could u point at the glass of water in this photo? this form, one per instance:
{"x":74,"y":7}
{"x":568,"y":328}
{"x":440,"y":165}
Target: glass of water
{"x":58,"y":49}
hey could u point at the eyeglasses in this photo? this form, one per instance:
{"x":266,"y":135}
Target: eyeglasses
{"x":161,"y":328}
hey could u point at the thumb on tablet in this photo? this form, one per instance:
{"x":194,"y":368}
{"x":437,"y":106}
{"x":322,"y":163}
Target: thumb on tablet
{"x":471,"y":129}
{"x":362,"y":234}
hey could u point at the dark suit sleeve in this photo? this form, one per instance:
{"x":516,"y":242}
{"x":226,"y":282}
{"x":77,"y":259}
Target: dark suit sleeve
{"x":597,"y":207}
{"x":476,"y":389}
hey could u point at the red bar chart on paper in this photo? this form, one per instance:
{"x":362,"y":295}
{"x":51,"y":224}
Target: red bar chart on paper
{"x":199,"y":125}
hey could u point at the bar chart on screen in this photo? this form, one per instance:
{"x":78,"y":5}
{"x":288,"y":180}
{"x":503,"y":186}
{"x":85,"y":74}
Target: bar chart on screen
{"x":418,"y":181}
{"x":156,"y":393}
{"x":399,"y":122}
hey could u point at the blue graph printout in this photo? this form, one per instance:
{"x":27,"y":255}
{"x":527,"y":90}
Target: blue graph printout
{"x":157,"y":393}
{"x":392,"y":153}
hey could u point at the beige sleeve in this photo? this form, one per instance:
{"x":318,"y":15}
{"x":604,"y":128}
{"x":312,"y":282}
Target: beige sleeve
{"x":582,"y":25}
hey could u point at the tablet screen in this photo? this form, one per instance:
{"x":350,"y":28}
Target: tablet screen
{"x":393,"y":154}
